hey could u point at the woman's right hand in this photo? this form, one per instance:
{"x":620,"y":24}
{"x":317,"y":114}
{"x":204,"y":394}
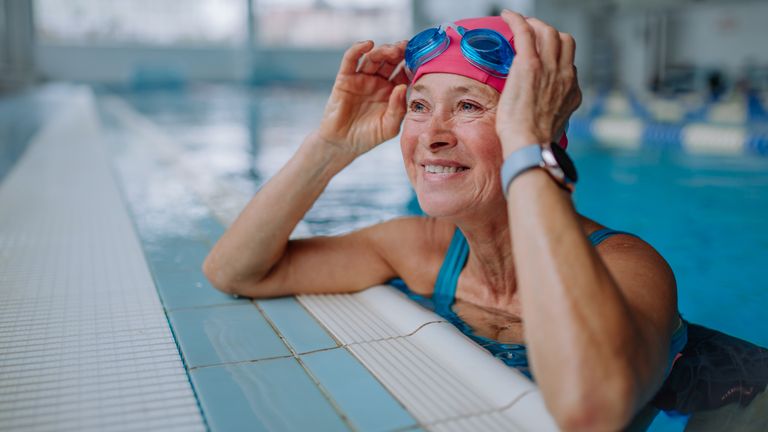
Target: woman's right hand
{"x":365,"y":108}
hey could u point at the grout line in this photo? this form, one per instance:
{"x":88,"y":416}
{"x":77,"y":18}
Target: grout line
{"x":185,"y":308}
{"x":326,"y":394}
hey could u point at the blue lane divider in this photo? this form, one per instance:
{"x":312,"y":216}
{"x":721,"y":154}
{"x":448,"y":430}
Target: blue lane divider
{"x":751,"y":137}
{"x":666,"y":136}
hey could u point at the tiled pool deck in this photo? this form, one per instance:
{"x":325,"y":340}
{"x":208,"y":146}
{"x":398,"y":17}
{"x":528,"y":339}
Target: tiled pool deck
{"x":108,"y":323}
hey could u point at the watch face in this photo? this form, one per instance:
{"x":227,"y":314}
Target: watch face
{"x":565,"y":163}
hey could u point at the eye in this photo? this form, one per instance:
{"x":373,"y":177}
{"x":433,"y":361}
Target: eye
{"x":469,"y":106}
{"x":417,"y":106}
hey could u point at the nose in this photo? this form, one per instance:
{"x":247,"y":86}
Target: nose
{"x":439,"y":133}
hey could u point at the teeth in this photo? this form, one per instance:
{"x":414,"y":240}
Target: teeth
{"x":438,"y":169}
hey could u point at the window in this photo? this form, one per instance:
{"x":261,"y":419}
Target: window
{"x":144,"y":22}
{"x":330,"y":23}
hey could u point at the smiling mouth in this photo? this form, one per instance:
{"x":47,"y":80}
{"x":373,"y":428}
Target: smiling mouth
{"x":440,"y":169}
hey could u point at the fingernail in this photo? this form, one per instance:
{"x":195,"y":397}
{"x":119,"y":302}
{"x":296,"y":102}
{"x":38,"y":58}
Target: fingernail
{"x":360,"y":62}
{"x":397,"y":70}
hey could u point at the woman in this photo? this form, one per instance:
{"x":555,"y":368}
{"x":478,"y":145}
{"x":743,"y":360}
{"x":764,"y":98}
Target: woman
{"x":586,"y":314}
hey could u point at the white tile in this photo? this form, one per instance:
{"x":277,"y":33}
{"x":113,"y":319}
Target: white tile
{"x":84,"y":340}
{"x":530,"y":413}
{"x":498,"y":384}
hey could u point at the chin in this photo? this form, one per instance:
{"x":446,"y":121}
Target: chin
{"x":440,"y":204}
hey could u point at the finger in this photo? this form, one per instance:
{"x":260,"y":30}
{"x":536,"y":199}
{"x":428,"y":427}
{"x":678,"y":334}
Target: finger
{"x":401,"y":78}
{"x":547,"y":42}
{"x":378,"y":57}
{"x":352,"y":56}
{"x":367,"y":65}
{"x":386,"y":70}
{"x":386,"y":53}
{"x":524,"y":37}
{"x":393,"y":117}
{"x":567,"y":50}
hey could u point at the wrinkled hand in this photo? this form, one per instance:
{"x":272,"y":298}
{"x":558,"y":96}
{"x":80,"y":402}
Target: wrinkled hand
{"x":365,"y":108}
{"x":542,"y":89}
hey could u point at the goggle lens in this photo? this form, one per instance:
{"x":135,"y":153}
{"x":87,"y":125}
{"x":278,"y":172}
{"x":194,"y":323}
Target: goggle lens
{"x":486,"y":49}
{"x":425,"y":46}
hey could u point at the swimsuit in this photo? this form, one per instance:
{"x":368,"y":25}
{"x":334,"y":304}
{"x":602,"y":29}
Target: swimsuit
{"x":514,"y":355}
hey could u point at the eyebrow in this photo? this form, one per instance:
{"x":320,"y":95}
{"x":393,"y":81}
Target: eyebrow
{"x":453,"y":89}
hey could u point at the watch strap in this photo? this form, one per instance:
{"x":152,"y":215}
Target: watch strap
{"x":518,"y":162}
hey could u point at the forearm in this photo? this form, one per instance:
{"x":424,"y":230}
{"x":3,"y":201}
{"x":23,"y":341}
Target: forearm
{"x":579,"y":327}
{"x":257,"y":239}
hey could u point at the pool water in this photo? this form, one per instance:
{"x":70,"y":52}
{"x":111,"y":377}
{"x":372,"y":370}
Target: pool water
{"x":705,"y":214}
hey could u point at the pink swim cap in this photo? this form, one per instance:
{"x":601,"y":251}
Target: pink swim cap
{"x":452,"y":61}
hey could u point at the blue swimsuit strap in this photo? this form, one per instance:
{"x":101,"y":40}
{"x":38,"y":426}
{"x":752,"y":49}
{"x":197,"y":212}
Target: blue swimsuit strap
{"x":603,"y":234}
{"x":448,"y":277}
{"x":456,"y":259}
{"x":513,"y":355}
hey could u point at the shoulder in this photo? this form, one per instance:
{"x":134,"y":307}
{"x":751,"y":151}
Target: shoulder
{"x":641,"y":273}
{"x":621,"y":247}
{"x":414,"y":247}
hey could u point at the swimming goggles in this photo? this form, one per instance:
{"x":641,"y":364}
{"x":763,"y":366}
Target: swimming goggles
{"x":486,"y":49}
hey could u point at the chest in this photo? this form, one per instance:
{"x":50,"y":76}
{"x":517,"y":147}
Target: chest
{"x":491,"y":323}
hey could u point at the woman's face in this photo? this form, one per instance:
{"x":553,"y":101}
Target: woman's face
{"x":450,"y":148}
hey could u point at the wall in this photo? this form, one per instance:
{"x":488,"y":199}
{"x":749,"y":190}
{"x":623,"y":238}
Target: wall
{"x":635,"y":56}
{"x":439,"y":11}
{"x":16,"y":42}
{"x":125,"y":64}
{"x":724,"y":36}
{"x":618,"y":45}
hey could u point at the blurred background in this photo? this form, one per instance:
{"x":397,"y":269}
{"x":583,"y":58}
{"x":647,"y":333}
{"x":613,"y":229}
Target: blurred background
{"x":199,"y":102}
{"x":668,"y":46}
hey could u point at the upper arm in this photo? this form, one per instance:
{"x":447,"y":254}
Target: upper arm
{"x":648,"y":286}
{"x":336,"y":264}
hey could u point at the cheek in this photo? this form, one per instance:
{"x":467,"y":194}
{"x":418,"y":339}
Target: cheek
{"x":409,"y":139}
{"x":484,"y":144}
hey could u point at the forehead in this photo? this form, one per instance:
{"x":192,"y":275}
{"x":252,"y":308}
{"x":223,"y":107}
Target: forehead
{"x":438,"y":84}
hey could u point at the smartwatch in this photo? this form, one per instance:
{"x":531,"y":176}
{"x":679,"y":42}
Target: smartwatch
{"x":551,"y":157}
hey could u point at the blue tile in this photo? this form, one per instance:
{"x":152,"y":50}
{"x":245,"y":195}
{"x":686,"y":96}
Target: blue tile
{"x":299,"y":328}
{"x":365,"y":402}
{"x":224,"y":334}
{"x":189,"y":288}
{"x":269,"y":395}
{"x":177,"y":253}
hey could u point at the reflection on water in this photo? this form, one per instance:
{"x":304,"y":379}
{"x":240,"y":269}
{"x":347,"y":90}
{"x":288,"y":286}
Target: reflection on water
{"x":705,"y":215}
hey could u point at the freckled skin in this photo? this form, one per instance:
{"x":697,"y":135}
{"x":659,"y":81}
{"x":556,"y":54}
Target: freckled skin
{"x":457,"y":124}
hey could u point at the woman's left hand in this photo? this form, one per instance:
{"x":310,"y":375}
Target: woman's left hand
{"x":542,"y":90}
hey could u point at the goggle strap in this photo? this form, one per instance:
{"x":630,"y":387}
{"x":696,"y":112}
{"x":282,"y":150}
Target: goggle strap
{"x":400,"y":67}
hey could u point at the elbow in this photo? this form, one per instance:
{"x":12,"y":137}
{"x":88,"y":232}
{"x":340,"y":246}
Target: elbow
{"x":599,"y":408}
{"x":236,"y":284}
{"x":217,"y":278}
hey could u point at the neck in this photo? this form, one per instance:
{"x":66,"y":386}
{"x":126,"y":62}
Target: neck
{"x":490,"y":266}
